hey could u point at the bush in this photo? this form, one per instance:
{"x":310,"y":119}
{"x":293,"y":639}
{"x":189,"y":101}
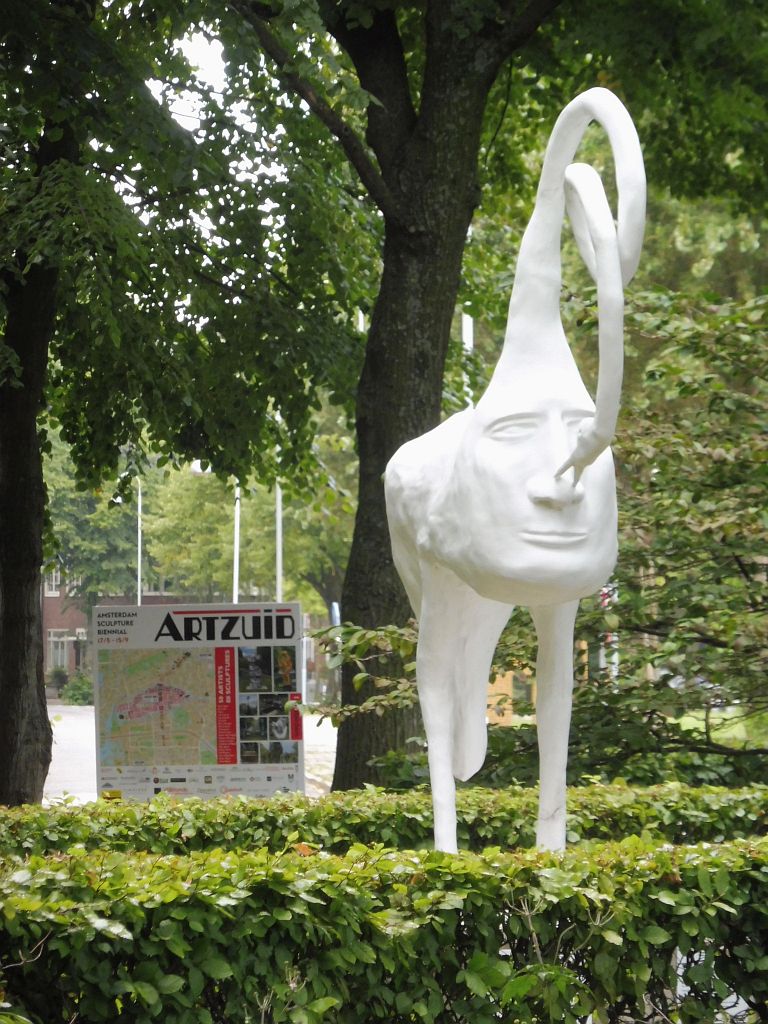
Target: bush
{"x":79,"y":690}
{"x":616,"y":732}
{"x":57,"y":679}
{"x":635,"y":729}
{"x":630,"y":931}
{"x":670,"y":813}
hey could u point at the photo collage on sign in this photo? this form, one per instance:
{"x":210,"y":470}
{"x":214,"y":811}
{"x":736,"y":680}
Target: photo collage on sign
{"x":267,"y":677}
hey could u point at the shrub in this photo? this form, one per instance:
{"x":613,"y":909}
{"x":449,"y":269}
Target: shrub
{"x":79,"y":690}
{"x":635,"y":729}
{"x":486,"y":818}
{"x":629,"y":930}
{"x":613,"y":735}
{"x":619,"y":731}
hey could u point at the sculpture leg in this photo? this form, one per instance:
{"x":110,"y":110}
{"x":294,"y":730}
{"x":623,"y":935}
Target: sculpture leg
{"x":554,"y":691}
{"x":437,"y":657}
{"x":482,"y":623}
{"x":458,"y":632}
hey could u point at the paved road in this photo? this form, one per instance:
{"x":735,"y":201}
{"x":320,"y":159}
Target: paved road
{"x":73,"y":768}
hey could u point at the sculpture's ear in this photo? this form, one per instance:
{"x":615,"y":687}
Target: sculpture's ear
{"x":576,"y":205}
{"x":597,"y":239}
{"x":610,"y":250}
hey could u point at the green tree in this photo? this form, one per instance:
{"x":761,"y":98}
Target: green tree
{"x":94,"y":537}
{"x":188,"y":524}
{"x":188,"y":531}
{"x":693,"y":461}
{"x":318,"y":527}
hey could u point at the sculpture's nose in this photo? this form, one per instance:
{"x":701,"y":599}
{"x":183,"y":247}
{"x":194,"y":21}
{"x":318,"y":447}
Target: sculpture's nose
{"x":549,"y":491}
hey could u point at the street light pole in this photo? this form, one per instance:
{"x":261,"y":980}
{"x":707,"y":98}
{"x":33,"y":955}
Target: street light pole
{"x":236,"y":549}
{"x":278,"y":542}
{"x":138,"y":543}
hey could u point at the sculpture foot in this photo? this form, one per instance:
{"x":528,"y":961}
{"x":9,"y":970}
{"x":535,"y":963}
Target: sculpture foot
{"x":445,"y":841}
{"x":550,"y":832}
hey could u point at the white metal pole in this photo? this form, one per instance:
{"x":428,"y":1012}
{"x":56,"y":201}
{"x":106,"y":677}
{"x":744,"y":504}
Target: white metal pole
{"x":468,"y":343}
{"x":236,"y":547}
{"x":138,"y":544}
{"x":278,"y":542}
{"x":467,"y":332}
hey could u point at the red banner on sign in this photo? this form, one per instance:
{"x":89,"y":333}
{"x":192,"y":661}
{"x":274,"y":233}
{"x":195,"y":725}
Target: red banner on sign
{"x":297,"y":720}
{"x":226,"y":706}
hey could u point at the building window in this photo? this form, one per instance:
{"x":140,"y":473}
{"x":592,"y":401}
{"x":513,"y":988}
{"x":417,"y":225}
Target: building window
{"x":57,"y":648}
{"x":53,"y":582}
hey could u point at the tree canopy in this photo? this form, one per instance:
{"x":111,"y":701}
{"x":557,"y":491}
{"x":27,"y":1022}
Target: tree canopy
{"x":194,"y":287}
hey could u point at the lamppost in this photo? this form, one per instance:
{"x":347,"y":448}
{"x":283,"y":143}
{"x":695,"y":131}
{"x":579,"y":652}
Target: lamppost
{"x":278,"y":542}
{"x":236,"y":548}
{"x":138,"y":542}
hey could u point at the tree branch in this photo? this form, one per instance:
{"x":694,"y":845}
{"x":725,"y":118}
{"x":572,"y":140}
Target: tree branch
{"x":521,"y":25}
{"x":377,"y":53}
{"x":664,"y":629}
{"x":747,"y":575}
{"x":486,"y":48}
{"x":353,"y":147}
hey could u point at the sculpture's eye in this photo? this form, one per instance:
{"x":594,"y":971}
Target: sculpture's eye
{"x":514,"y":428}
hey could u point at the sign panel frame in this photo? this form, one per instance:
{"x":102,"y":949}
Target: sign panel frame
{"x":198,"y":699}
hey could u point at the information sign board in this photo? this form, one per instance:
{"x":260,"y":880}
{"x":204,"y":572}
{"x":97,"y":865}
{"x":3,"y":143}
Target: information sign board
{"x":196,"y":700}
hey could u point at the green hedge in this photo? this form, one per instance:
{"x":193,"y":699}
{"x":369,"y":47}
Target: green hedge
{"x":404,"y":820}
{"x":625,"y":930}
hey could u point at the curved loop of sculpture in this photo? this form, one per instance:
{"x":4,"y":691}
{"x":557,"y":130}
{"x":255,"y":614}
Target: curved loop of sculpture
{"x":513,"y":501}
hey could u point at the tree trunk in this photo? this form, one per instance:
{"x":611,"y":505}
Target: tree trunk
{"x":30,"y":301}
{"x":25,"y":731}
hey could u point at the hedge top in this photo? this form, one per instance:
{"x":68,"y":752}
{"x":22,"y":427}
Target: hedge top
{"x":486,"y":818}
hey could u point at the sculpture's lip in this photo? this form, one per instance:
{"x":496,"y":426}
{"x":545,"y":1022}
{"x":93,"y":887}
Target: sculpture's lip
{"x":555,"y":538}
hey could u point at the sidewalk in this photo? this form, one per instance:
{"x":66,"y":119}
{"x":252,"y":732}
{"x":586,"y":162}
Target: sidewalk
{"x":73,"y":767}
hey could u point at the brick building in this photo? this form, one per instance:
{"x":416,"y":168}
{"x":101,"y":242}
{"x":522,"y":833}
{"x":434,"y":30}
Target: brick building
{"x":65,"y":626}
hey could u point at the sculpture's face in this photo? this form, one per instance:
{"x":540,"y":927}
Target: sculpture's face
{"x":512,"y":530}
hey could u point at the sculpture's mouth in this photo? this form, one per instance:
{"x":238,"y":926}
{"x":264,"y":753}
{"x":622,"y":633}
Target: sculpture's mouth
{"x":554,"y":538}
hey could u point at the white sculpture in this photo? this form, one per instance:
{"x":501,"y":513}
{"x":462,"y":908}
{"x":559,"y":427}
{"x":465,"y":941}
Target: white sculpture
{"x":514,"y":501}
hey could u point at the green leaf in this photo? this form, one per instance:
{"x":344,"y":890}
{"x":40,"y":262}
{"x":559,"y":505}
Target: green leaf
{"x":665,"y":896}
{"x":146,"y":991}
{"x":169,"y":983}
{"x":474,"y":982}
{"x":323,"y":1003}
{"x":655,"y":935}
{"x":216,"y":967}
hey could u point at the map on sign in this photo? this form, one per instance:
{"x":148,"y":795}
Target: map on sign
{"x":198,"y":700}
{"x":157,"y":706}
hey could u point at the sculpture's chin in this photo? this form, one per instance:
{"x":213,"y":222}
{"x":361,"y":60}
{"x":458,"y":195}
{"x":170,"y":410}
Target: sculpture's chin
{"x":531,"y":579}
